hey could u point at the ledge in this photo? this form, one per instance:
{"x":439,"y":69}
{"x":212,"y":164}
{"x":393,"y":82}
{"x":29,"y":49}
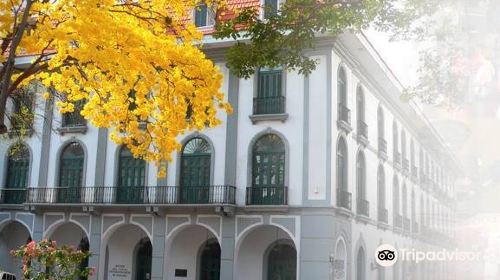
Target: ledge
{"x":344,"y":212}
{"x":72,"y":129}
{"x":363,"y":140}
{"x":382,"y":155}
{"x":344,"y":126}
{"x":383,"y":225}
{"x":363,"y":219}
{"x":268,"y":117}
{"x":266,"y":208}
{"x":17,"y":132}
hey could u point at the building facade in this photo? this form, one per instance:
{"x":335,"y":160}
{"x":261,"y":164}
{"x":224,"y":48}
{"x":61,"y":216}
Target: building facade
{"x":306,"y":178}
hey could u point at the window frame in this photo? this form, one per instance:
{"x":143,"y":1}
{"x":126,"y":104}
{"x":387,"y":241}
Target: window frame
{"x":211,"y":14}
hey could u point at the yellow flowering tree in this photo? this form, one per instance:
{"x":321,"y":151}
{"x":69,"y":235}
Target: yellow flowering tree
{"x":136,"y":65}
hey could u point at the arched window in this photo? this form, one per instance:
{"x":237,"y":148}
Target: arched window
{"x":382,"y":211}
{"x":361,"y":265}
{"x":143,"y":259}
{"x":343,"y":109}
{"x":270,"y":8}
{"x":343,"y":196}
{"x":403,"y":144}
{"x":204,"y":15}
{"x":412,"y":155}
{"x":71,"y":173}
{"x":395,"y":145}
{"x":196,"y":160}
{"x":18,"y":165}
{"x":395,"y":199}
{"x":422,"y":208}
{"x":361,"y":202}
{"x":413,"y":214}
{"x":405,"y":201}
{"x":268,"y":171}
{"x":380,"y":123}
{"x":210,"y":260}
{"x":360,"y":113}
{"x":131,"y":177}
{"x":282,"y":262}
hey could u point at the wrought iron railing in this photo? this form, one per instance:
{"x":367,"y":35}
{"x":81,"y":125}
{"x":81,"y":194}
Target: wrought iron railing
{"x":397,"y":159}
{"x":398,"y":221}
{"x":12,"y":196}
{"x":362,"y":129}
{"x":133,"y":195}
{"x":344,"y":114}
{"x":269,"y":105}
{"x":275,"y":195}
{"x":363,"y":207}
{"x":383,"y":215}
{"x":344,"y":199}
{"x":406,"y":224}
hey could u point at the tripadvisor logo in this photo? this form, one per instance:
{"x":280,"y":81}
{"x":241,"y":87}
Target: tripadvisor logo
{"x":386,"y":255}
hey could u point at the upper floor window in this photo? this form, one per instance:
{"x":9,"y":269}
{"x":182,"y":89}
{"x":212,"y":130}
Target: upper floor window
{"x":75,"y":118}
{"x":343,"y":110}
{"x":395,"y":197}
{"x":22,"y":110}
{"x":395,"y":142}
{"x":380,"y":123}
{"x":403,"y":144}
{"x":343,"y":196}
{"x":18,"y":163}
{"x":270,"y":98}
{"x":382,"y":211}
{"x":195,"y":163}
{"x":362,"y":203}
{"x":360,"y":113}
{"x":131,"y":171}
{"x":404,"y":203}
{"x":204,"y":15}
{"x":268,"y":162}
{"x":270,"y":8}
{"x":71,"y":165}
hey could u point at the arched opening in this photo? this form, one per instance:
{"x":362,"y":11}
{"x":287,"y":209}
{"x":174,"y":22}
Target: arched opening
{"x":361,"y":202}
{"x":143,"y":259}
{"x":360,"y":265}
{"x":380,"y":124}
{"x":18,"y":163}
{"x":343,"y":196}
{"x":398,"y":221}
{"x":382,"y":210}
{"x":395,"y":145}
{"x":12,"y":236}
{"x":71,"y":167}
{"x":268,"y":171}
{"x":343,"y":110}
{"x":193,"y":252}
{"x":266,"y":252}
{"x":360,"y":112}
{"x":210,"y":260}
{"x":339,"y":263}
{"x":131,"y":178}
{"x":195,"y":171}
{"x":282,"y":262}
{"x":127,"y":253}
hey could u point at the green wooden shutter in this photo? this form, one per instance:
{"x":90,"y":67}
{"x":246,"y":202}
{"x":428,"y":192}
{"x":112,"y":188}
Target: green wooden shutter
{"x":131,"y":178}
{"x":71,"y":173}
{"x":17,"y":175}
{"x":195,"y":171}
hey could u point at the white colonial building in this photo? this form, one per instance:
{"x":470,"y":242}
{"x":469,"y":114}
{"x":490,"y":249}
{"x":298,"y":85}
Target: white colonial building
{"x":306,"y":178}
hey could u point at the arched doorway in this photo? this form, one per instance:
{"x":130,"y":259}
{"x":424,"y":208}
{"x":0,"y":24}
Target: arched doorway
{"x":340,"y":264}
{"x":282,"y":262}
{"x":192,"y":252}
{"x":143,"y":259}
{"x":360,"y":265}
{"x":12,"y":236}
{"x":210,"y":260}
{"x":266,"y":252}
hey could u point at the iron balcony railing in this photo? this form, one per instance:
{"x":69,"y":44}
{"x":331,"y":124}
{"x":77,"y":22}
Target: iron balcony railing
{"x":397,"y":159}
{"x":362,"y":129}
{"x":12,"y":196}
{"x":406,"y":224}
{"x":398,"y":221}
{"x":344,"y":199}
{"x":344,"y":114}
{"x":269,"y":105}
{"x":414,"y":227}
{"x":363,"y":207}
{"x":133,"y":195}
{"x":275,"y":195}
{"x":406,"y":165}
{"x":383,"y":215}
{"x":382,"y":147}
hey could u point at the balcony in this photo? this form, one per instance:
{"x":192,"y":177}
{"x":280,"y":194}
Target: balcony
{"x":269,"y":108}
{"x":73,"y":122}
{"x":398,"y":221}
{"x":267,"y":196}
{"x":397,"y":160}
{"x":383,"y":215}
{"x":382,"y":148}
{"x":362,"y":132}
{"x":157,"y":195}
{"x":406,"y":224}
{"x":406,"y":166}
{"x":363,"y":207}
{"x":12,"y":196}
{"x":344,"y":199}
{"x":344,"y":118}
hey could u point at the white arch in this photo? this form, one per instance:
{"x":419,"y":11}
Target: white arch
{"x":6,"y":222}
{"x":53,"y":227}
